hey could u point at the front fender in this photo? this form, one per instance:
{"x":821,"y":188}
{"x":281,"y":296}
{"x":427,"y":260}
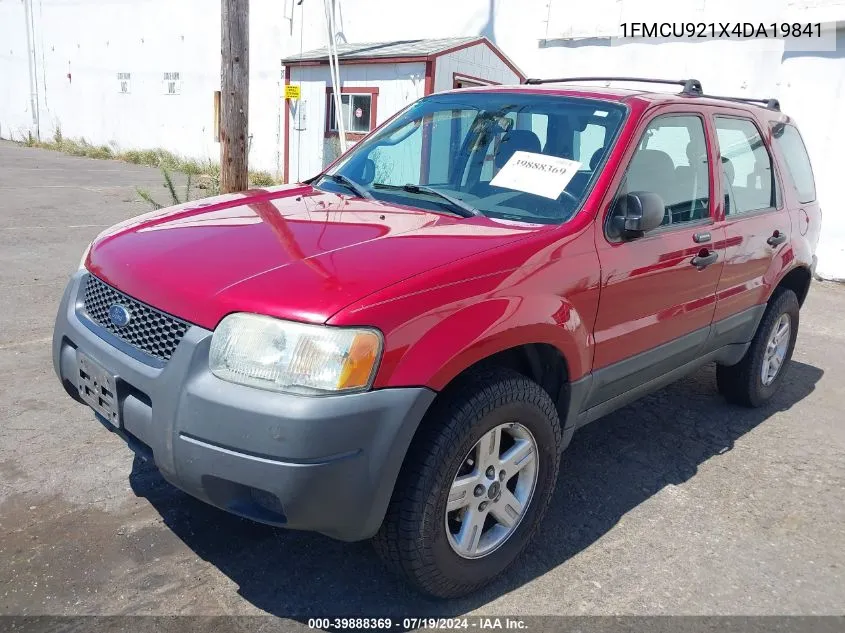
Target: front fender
{"x":439,"y":323}
{"x":479,"y":331}
{"x":442,"y":346}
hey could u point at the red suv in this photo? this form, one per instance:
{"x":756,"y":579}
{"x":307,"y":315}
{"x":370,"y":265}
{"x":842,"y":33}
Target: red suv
{"x":401,"y":347}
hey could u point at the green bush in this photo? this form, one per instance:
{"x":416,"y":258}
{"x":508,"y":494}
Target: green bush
{"x":261,"y":179}
{"x":102,"y":152}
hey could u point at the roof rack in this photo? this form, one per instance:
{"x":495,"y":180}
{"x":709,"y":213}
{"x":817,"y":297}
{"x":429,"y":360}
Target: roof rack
{"x":691,"y":87}
{"x":770,"y":104}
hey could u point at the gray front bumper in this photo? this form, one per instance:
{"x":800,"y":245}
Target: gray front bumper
{"x":326,"y":464}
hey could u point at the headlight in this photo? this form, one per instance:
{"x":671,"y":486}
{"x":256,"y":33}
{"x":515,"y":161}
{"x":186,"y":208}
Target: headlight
{"x":84,"y":256}
{"x":269,"y":353}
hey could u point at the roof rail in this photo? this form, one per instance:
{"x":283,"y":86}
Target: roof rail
{"x":770,"y":104}
{"x":691,"y":87}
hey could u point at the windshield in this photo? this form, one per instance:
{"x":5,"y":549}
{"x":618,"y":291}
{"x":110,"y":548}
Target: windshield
{"x":524,"y":157}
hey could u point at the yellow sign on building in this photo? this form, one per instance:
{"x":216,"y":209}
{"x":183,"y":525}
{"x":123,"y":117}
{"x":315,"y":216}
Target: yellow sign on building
{"x":292,"y":92}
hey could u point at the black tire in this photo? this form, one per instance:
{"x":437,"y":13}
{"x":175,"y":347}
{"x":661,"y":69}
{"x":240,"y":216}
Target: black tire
{"x":413,"y":538}
{"x":742,"y":383}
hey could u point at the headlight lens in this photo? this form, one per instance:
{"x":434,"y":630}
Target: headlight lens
{"x":278,"y":355}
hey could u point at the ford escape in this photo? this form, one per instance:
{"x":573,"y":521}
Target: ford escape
{"x":401,"y":347}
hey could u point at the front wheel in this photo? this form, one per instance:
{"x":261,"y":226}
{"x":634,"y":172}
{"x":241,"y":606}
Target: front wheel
{"x":754,"y":380}
{"x":475,"y":484}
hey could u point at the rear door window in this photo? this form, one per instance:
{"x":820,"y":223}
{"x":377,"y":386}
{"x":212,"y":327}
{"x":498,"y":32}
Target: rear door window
{"x":788,"y":139}
{"x":747,"y":176}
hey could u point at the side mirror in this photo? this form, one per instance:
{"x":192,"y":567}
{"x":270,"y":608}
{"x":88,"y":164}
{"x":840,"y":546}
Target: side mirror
{"x":637,"y":213}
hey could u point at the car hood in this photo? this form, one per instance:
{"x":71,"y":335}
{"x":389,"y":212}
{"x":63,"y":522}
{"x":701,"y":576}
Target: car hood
{"x":293,"y":252}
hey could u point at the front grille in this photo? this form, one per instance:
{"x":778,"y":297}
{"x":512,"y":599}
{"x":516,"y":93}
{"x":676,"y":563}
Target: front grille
{"x":148,"y":330}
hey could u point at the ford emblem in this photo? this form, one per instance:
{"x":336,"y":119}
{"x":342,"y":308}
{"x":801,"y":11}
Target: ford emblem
{"x":119,"y":315}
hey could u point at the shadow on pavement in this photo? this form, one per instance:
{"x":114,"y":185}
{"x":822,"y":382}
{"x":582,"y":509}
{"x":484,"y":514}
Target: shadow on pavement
{"x":611,"y":466}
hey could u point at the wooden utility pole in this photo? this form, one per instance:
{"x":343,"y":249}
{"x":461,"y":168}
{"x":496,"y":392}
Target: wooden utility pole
{"x":234,"y":96}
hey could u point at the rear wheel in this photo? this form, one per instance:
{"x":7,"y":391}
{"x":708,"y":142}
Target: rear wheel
{"x":475,"y":484}
{"x":755,"y":379}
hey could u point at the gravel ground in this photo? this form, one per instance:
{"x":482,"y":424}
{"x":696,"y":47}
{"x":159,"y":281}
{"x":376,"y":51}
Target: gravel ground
{"x":678,"y":504}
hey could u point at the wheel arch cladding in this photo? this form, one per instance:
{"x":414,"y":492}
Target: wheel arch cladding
{"x":798,"y":280}
{"x":540,"y":362}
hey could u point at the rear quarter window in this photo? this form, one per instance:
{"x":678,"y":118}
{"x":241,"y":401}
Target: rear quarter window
{"x":789,"y":141}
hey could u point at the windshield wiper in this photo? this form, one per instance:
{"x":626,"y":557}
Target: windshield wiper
{"x":349,"y":184}
{"x":459,"y":207}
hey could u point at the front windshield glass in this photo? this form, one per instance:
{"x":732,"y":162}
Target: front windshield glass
{"x":524,"y":157}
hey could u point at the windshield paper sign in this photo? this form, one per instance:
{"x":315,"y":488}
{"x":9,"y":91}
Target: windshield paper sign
{"x":539,"y":174}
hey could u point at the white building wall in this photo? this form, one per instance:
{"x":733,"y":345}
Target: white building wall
{"x":95,"y":39}
{"x":306,"y":140}
{"x":15,"y":92}
{"x":812,"y":88}
{"x":477,"y":61}
{"x":81,"y":46}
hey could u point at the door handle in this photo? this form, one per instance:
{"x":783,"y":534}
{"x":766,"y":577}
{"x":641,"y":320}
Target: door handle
{"x":704,"y":259}
{"x":778,"y":237}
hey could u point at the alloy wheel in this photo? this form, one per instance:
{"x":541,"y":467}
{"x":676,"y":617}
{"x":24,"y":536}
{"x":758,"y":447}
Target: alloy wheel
{"x":491,"y":491}
{"x":776,"y":349}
